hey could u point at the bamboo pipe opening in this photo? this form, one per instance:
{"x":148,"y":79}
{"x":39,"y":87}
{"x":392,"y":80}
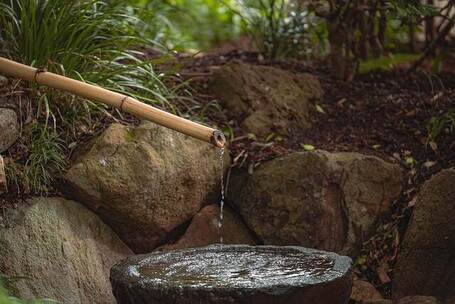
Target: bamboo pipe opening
{"x":123,"y":102}
{"x":219,"y":139}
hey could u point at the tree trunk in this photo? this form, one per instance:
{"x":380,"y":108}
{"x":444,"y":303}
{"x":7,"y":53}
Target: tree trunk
{"x":374,"y":41}
{"x":363,"y":22}
{"x":412,"y":36}
{"x":429,"y":27}
{"x":382,"y":23}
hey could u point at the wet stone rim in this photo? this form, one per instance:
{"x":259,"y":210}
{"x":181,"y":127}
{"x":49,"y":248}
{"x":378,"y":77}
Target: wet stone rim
{"x":233,"y":268}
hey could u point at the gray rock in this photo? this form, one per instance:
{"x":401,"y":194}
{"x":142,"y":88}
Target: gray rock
{"x":9,"y":128}
{"x":53,"y":248}
{"x":425,"y":264}
{"x":3,"y":81}
{"x":234,"y":274}
{"x":269,"y":99}
{"x":316,"y":199}
{"x":145,"y":182}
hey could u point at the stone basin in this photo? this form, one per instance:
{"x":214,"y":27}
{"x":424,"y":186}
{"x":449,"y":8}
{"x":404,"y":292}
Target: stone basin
{"x":234,"y":274}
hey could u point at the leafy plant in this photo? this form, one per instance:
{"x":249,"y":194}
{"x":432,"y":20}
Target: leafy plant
{"x":437,"y":124}
{"x":94,"y":41}
{"x":278,"y":27}
{"x":190,"y":24}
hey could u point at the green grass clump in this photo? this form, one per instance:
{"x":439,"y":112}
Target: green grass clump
{"x":438,"y":123}
{"x":386,"y":63}
{"x":93,"y":41}
{"x":279,"y":28}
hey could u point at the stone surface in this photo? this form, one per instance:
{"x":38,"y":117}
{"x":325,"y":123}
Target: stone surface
{"x":268,"y":99}
{"x":9,"y":128}
{"x":363,"y":291}
{"x":204,"y":231}
{"x":425,"y":264}
{"x":234,"y":274}
{"x":418,"y":300}
{"x":3,"y":81}
{"x":316,"y":199}
{"x":54,"y":248}
{"x":145,"y":182}
{"x":3,"y":182}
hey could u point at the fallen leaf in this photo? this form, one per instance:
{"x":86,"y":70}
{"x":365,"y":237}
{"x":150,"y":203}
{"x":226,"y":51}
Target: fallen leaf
{"x":307,"y":147}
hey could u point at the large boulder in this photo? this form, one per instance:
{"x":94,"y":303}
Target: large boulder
{"x":204,"y":230}
{"x":363,"y":291}
{"x":145,"y":182}
{"x":267,"y":99}
{"x":425,"y":264}
{"x":418,"y":300}
{"x":316,"y":199}
{"x":3,"y":82}
{"x":54,"y":248}
{"x":9,"y":128}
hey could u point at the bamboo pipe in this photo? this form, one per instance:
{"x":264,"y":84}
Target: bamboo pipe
{"x":120,"y":101}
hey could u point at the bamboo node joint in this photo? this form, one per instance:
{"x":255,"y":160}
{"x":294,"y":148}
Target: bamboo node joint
{"x":37,"y":72}
{"x":122,"y":102}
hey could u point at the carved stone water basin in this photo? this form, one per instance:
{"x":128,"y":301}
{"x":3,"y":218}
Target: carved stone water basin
{"x":234,"y":274}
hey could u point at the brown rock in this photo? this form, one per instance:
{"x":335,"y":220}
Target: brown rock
{"x":418,"y":300}
{"x":363,"y":291}
{"x":425,"y":261}
{"x":269,"y":99}
{"x":3,"y":81}
{"x":9,"y":128}
{"x":204,"y":231}
{"x":3,"y":184}
{"x":57,"y":249}
{"x":316,"y":199}
{"x":145,"y":182}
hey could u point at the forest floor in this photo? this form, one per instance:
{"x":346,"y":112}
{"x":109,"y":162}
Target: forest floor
{"x":380,"y":113}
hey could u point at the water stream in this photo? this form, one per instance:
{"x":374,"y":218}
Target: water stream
{"x":220,"y":220}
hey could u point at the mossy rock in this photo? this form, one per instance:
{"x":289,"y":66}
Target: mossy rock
{"x":426,"y":260}
{"x":266,"y":99}
{"x":318,"y":199}
{"x":58,"y":249}
{"x":145,"y":182}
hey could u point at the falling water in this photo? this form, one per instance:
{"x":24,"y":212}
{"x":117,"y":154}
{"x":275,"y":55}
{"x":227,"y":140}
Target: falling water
{"x":220,"y":221}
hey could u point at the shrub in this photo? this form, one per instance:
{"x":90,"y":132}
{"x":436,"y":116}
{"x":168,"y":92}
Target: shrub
{"x":279,"y":28}
{"x":439,"y":123}
{"x":91,"y":40}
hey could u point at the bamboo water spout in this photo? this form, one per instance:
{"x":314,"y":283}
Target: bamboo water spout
{"x":120,"y":101}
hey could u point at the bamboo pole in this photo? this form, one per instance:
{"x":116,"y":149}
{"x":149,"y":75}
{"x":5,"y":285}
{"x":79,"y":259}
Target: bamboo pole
{"x":120,"y":101}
